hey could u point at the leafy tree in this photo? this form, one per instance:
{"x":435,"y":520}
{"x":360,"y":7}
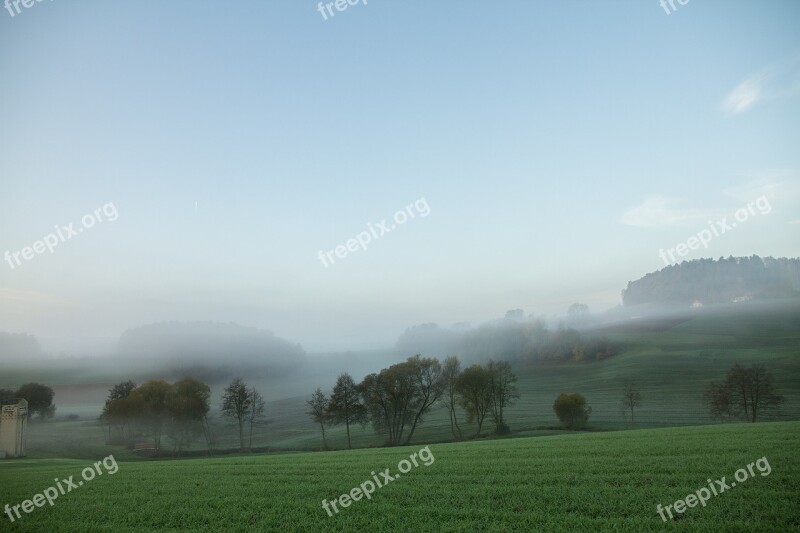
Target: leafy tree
{"x":388,"y":397}
{"x":318,"y":410}
{"x":122,"y":410}
{"x":236,"y":405}
{"x":120,"y":391}
{"x":631,"y":397}
{"x":572,"y":410}
{"x":39,"y":398}
{"x":345,"y":406}
{"x":150,"y":403}
{"x":187,"y":403}
{"x":7,"y":394}
{"x":503,"y":390}
{"x":475,"y":394}
{"x":450,"y":373}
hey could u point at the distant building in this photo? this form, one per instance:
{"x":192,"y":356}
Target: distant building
{"x":697,"y":304}
{"x":740,"y":299}
{"x":13,"y":421}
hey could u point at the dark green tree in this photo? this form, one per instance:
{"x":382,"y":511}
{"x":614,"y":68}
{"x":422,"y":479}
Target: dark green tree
{"x":572,"y":410}
{"x":39,"y":398}
{"x":345,"y":405}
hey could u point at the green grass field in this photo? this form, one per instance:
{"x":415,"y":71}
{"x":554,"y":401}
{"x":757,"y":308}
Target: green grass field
{"x":539,"y":478}
{"x":578,"y":482}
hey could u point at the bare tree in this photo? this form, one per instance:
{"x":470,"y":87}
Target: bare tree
{"x":236,"y":404}
{"x":255,"y":417}
{"x":717,"y":399}
{"x":318,"y":411}
{"x":450,"y":372}
{"x":209,"y":434}
{"x":428,"y":387}
{"x":631,"y":398}
{"x":751,"y":391}
{"x":503,"y":391}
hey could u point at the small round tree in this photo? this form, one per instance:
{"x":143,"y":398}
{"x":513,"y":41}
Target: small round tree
{"x":572,"y":410}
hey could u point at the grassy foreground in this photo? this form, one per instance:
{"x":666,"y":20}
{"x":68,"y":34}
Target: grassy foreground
{"x":581,"y":482}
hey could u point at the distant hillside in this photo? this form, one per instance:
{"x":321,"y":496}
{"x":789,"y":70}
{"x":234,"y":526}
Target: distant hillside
{"x":518,"y":341}
{"x":212,"y":350}
{"x":19,"y":347}
{"x":706,"y":281}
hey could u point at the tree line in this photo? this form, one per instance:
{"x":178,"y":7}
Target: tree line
{"x":179,"y":411}
{"x":515,"y":338}
{"x":717,"y":281}
{"x":396,"y":400}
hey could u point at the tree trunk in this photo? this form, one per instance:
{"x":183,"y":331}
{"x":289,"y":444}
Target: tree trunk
{"x":455,"y":420}
{"x":413,"y":427}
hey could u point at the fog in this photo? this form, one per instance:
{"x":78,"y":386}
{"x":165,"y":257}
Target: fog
{"x":284,"y":200}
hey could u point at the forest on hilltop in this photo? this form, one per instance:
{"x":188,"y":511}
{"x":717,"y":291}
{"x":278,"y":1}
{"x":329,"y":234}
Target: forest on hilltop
{"x":710,"y":281}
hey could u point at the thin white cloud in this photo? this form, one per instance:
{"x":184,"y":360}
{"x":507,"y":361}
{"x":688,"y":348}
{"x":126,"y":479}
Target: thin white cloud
{"x":660,"y":212}
{"x":795,"y":222}
{"x":772,"y":83}
{"x":780,"y":183}
{"x":780,"y":186}
{"x":744,"y":96}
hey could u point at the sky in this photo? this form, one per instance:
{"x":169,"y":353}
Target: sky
{"x":558,"y":150}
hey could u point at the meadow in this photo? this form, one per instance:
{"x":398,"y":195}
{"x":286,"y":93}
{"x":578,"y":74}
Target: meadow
{"x":671,"y":361}
{"x":578,"y":482}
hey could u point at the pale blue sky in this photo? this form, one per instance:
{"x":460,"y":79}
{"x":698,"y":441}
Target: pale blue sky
{"x":559,"y":145}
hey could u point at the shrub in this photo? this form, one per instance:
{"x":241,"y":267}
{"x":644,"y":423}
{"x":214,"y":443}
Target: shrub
{"x":572,"y":410}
